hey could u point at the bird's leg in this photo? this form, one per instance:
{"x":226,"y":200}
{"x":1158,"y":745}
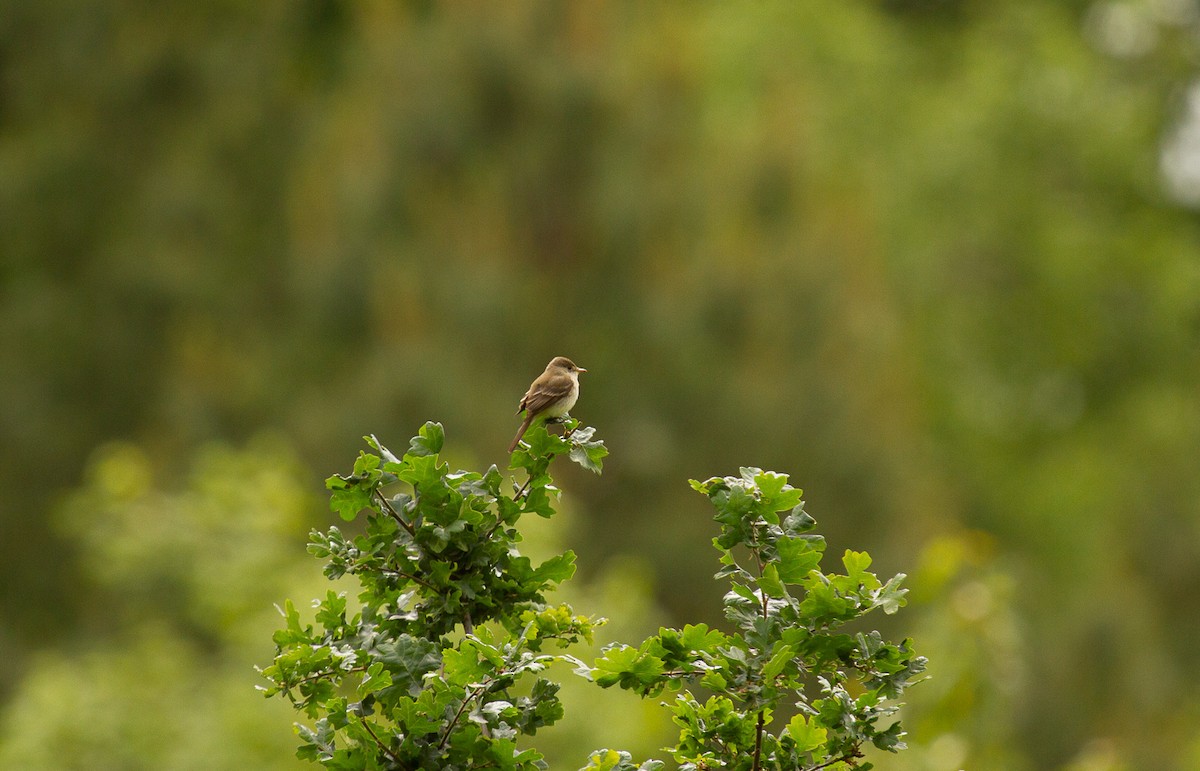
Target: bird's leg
{"x":561,"y":419}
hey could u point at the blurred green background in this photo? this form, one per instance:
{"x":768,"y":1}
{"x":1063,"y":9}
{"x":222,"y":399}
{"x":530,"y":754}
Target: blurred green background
{"x":939,"y":260}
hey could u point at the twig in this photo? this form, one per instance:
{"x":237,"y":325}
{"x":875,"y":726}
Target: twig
{"x":474,"y":692}
{"x":315,"y":676}
{"x":516,"y":497}
{"x":395,"y":514}
{"x":415,"y":580}
{"x":386,"y":751}
{"x":758,"y":733}
{"x":761,"y":725}
{"x":848,"y":756}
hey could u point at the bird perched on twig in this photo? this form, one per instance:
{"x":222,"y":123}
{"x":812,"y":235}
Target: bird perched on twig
{"x":551,"y":395}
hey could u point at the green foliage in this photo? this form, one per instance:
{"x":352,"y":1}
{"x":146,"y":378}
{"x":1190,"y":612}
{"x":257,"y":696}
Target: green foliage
{"x":441,"y":663}
{"x":433,"y":668}
{"x":789,"y":647}
{"x":614,"y":760}
{"x":182,"y":565}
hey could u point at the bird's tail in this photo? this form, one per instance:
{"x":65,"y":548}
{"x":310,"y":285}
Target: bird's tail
{"x":520,"y":432}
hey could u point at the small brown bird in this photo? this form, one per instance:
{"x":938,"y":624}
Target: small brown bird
{"x":551,"y":395}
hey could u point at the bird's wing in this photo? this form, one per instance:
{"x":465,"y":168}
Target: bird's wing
{"x":543,"y":395}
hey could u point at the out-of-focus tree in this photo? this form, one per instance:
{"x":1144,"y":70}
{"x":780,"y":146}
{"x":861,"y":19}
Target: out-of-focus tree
{"x":180,"y":581}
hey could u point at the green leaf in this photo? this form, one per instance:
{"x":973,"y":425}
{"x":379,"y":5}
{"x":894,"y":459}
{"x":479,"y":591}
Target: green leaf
{"x":422,"y":472}
{"x":409,"y":659}
{"x":775,"y":494}
{"x":348,"y":503}
{"x":744,"y":591}
{"x":628,"y":667}
{"x":537,"y":501}
{"x":349,"y":495}
{"x":605,"y":760}
{"x":856,"y":563}
{"x":734,"y":504}
{"x":890,"y":739}
{"x":587,"y":452}
{"x":492,"y":480}
{"x":331,"y":613}
{"x":822,"y":603}
{"x":612,"y":760}
{"x":437,"y":573}
{"x":798,"y":521}
{"x":797,"y":557}
{"x":377,"y":678}
{"x":463,"y":666}
{"x":428,"y":440}
{"x":778,"y":661}
{"x":769,"y":582}
{"x":387,"y":455}
{"x":365,"y":463}
{"x":698,"y":637}
{"x":556,"y":569}
{"x":808,"y":737}
{"x":414,"y":718}
{"x":891,"y":597}
{"x":293,"y":632}
{"x":542,"y":443}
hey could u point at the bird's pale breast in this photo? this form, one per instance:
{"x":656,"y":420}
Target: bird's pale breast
{"x":564,"y":405}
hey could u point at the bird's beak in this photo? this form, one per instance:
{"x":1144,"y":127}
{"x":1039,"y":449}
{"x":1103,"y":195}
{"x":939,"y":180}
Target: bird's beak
{"x":581,"y":369}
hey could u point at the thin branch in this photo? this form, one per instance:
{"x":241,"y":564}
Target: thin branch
{"x":761,"y":724}
{"x":473,"y":693}
{"x":516,"y":497}
{"x":488,"y":535}
{"x":395,"y":514}
{"x":287,"y":688}
{"x":848,"y":756}
{"x":486,"y":686}
{"x":386,"y":751}
{"x":758,"y":734}
{"x":761,"y":565}
{"x":416,"y":580}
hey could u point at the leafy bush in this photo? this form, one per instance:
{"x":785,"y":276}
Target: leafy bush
{"x":785,"y":647}
{"x":442,"y":664}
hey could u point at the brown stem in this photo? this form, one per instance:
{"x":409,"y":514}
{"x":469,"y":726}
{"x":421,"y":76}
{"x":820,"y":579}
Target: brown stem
{"x":321,"y":675}
{"x":416,"y":580}
{"x":758,"y":733}
{"x":395,"y":514}
{"x":848,"y":756}
{"x":516,"y":497}
{"x":762,"y":722}
{"x":382,"y":746}
{"x":450,"y":726}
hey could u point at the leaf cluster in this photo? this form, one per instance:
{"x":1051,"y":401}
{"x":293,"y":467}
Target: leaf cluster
{"x":789,"y":650}
{"x":440,"y":664}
